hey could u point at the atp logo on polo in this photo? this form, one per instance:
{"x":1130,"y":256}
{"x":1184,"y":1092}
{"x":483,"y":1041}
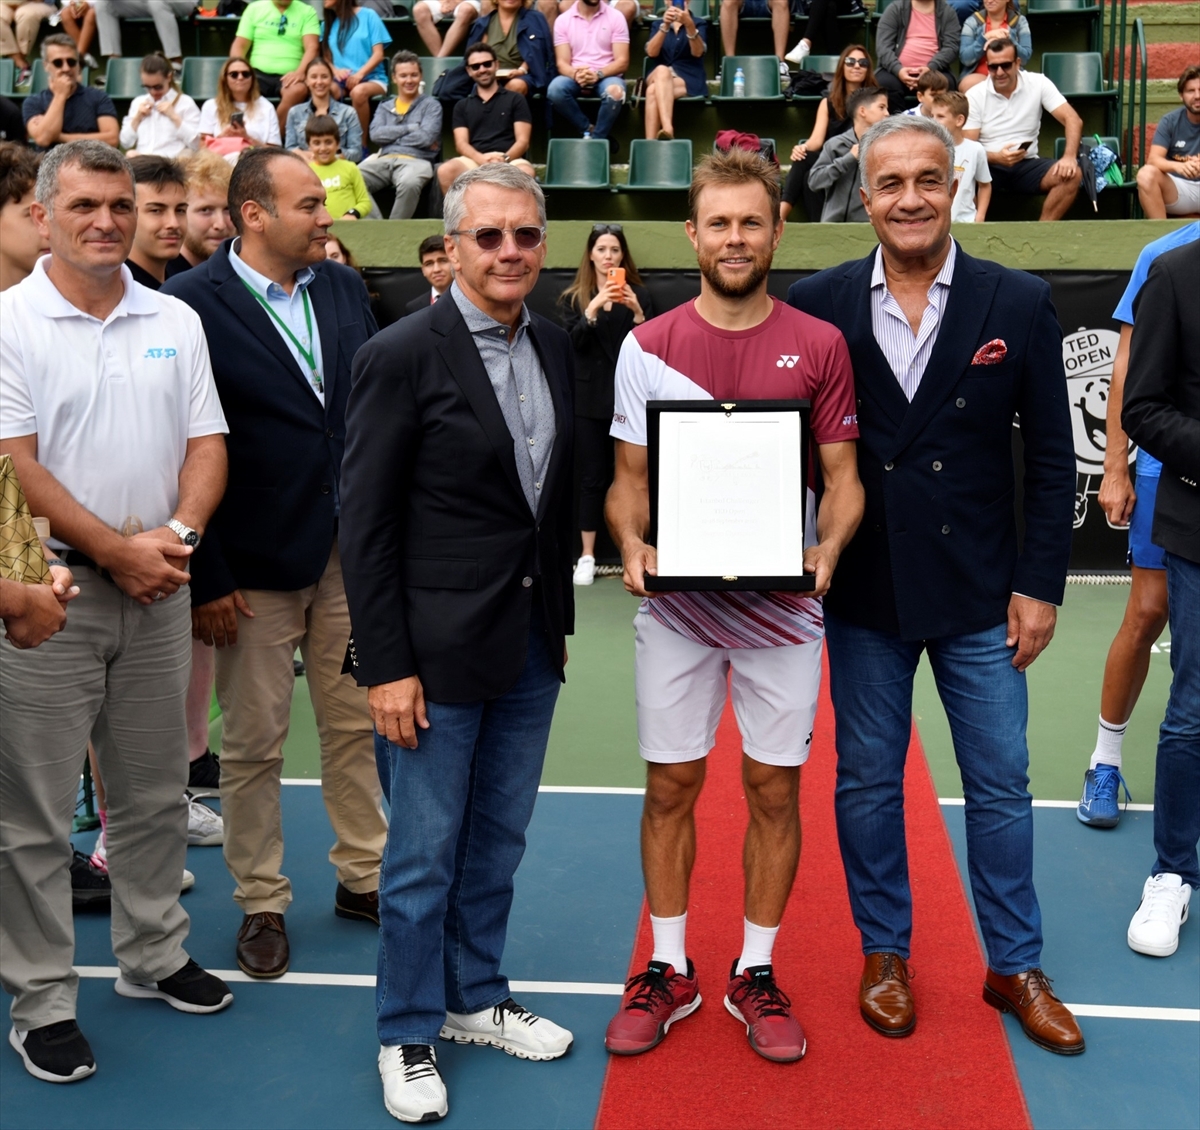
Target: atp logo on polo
{"x":159,"y":354}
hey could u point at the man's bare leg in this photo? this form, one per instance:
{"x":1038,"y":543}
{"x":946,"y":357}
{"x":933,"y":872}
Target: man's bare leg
{"x":1129,"y":655}
{"x":772,"y":849}
{"x":669,"y":834}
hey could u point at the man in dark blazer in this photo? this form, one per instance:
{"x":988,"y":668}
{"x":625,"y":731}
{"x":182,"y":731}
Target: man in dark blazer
{"x":456,"y":541}
{"x":283,"y":325}
{"x":1161,"y":413}
{"x":946,"y":350}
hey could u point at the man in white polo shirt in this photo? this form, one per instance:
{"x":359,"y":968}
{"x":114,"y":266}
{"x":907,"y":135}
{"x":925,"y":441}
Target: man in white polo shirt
{"x":109,"y":410}
{"x":1006,"y":117}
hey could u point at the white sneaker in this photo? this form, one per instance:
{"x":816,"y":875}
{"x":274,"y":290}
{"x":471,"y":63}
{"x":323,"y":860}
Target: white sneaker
{"x":205,"y":827}
{"x":189,"y":881}
{"x":509,"y":1026}
{"x":1154,"y":929}
{"x":799,"y":53}
{"x":413,"y":1090}
{"x":585,"y":570}
{"x":99,"y":858}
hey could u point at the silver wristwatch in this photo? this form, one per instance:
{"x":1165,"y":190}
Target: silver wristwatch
{"x":186,"y":534}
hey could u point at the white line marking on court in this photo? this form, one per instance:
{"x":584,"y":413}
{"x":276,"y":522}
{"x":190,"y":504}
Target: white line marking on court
{"x":1127,"y":1012}
{"x":958,"y":802}
{"x":367,"y":981}
{"x":591,"y":789}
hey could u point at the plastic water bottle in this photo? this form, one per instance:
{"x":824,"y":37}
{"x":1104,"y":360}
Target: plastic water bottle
{"x":739,"y":83}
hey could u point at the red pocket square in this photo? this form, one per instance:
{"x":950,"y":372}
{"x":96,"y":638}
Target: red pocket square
{"x":991,"y":354}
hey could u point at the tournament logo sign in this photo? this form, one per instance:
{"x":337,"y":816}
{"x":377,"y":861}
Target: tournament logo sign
{"x":1088,"y":360}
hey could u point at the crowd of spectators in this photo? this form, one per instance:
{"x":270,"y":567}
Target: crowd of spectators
{"x":288,"y":68}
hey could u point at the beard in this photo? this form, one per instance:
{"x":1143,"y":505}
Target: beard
{"x":710,"y":268}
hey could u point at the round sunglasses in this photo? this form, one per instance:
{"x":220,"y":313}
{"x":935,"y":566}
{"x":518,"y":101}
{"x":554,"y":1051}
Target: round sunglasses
{"x":527,"y":238}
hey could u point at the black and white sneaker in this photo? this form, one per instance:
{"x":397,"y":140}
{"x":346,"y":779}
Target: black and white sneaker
{"x":189,"y":990}
{"x":204,"y":775}
{"x":91,"y":888}
{"x":55,"y":1053}
{"x":413,"y":1090}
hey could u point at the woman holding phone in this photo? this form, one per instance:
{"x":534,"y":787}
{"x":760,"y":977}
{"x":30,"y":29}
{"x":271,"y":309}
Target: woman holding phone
{"x":675,"y":52}
{"x":239,"y":117}
{"x":598,"y":309}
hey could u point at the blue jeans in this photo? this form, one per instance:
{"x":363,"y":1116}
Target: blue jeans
{"x":563,"y":93}
{"x":460,"y":804}
{"x":871,"y":680}
{"x":1177,"y":770}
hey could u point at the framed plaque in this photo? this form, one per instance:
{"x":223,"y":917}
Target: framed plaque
{"x":728,"y":489}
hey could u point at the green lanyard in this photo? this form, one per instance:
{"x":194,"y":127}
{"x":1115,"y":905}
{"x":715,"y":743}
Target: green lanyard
{"x":308,"y":356}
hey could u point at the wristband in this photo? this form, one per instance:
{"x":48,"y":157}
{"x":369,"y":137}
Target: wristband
{"x":51,"y":562}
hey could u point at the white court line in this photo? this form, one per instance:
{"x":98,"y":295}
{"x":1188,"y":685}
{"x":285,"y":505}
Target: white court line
{"x":958,"y":802}
{"x":594,"y":789}
{"x":612,"y":989}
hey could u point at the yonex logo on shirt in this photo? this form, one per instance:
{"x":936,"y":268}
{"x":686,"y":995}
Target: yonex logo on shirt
{"x":848,"y":420}
{"x":159,"y":353}
{"x":787,"y":361}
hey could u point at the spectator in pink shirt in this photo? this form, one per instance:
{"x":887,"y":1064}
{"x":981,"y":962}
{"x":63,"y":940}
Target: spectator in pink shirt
{"x":591,"y":47}
{"x":914,"y":36}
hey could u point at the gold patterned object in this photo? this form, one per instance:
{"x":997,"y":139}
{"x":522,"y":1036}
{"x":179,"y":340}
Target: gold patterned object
{"x":21,"y":556}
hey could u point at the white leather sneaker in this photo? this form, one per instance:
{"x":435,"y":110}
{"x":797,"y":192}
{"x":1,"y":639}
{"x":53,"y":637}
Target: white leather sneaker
{"x":413,"y":1090}
{"x":585,"y":570}
{"x":1154,"y":929}
{"x":799,"y":53}
{"x":205,"y":827}
{"x":509,"y":1026}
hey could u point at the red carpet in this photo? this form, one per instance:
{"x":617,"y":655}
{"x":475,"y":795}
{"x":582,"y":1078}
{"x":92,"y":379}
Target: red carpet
{"x":956,"y":1070}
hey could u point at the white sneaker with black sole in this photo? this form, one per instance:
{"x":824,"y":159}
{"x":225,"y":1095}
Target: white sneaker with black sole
{"x":413,"y":1090}
{"x":585,"y":570}
{"x":192,"y":989}
{"x":205,"y":827}
{"x":54,"y":1053}
{"x":1154,"y":929}
{"x":511,"y":1028}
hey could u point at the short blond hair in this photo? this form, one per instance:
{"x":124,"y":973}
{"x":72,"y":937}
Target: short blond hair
{"x":735,"y":166}
{"x":206,"y":172}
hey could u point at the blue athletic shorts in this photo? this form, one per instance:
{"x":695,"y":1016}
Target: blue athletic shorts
{"x":755,"y":9}
{"x":1142,"y":551}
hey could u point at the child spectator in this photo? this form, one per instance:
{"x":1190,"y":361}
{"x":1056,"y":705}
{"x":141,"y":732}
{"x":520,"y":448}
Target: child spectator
{"x":346,"y":195}
{"x":836,"y":170}
{"x":929,"y":85}
{"x":974,"y":192}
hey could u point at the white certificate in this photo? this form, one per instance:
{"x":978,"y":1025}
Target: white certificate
{"x":730,"y":493}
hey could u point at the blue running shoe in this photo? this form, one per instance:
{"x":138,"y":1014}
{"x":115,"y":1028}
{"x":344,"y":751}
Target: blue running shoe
{"x":1098,"y":807}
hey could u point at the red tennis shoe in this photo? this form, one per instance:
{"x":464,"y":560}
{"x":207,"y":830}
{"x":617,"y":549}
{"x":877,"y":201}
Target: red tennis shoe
{"x":760,"y":1004}
{"x":653,"y":1001}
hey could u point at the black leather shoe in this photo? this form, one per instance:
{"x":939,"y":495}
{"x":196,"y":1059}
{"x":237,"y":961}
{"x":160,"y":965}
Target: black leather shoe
{"x":346,"y":904}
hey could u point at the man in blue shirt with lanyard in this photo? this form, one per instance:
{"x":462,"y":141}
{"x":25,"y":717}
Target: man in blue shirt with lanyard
{"x":283,"y":325}
{"x":1146,"y":612}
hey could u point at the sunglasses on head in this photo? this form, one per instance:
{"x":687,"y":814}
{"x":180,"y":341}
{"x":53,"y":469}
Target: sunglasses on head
{"x":997,"y":67}
{"x":58,"y":64}
{"x":487,"y":64}
{"x":858,"y":62}
{"x":526,"y":238}
{"x":607,"y":229}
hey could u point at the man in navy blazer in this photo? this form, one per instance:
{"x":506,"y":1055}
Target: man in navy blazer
{"x":283,"y":325}
{"x":947,"y":350}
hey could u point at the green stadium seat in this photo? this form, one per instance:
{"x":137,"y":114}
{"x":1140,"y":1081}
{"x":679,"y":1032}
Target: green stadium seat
{"x":8,"y":73}
{"x":880,"y":5}
{"x":575,"y":162}
{"x":39,"y":82}
{"x":700,"y":9}
{"x":820,"y":64}
{"x":200,"y":75}
{"x":1060,"y":6}
{"x":123,"y":78}
{"x":432,"y":67}
{"x":762,"y":78}
{"x":1076,"y":73}
{"x":659,"y":166}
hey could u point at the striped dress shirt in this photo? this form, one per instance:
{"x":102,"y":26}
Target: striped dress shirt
{"x":908,"y":354}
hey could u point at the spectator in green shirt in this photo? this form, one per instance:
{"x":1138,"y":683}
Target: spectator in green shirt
{"x":279,"y":38}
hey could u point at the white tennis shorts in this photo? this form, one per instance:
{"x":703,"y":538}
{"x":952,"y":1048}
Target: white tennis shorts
{"x":681,"y":684}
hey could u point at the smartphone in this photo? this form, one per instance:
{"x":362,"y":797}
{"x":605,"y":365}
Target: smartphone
{"x":1024,"y":145}
{"x":238,"y":119}
{"x":616,"y":275}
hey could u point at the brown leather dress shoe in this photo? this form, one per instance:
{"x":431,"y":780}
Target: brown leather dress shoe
{"x":346,"y":904}
{"x":1046,"y":1020}
{"x":262,"y":945}
{"x":884,"y":998}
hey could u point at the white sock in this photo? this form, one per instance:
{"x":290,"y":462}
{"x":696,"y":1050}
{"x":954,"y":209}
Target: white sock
{"x":757,"y":943}
{"x":669,"y":941}
{"x":1108,"y":744}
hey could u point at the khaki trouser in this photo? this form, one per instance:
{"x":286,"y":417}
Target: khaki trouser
{"x":254,"y":687}
{"x":28,"y":18}
{"x":121,"y":669}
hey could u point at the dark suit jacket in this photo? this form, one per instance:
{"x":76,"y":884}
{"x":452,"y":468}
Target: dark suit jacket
{"x":421,"y":302}
{"x":1161,"y":411}
{"x":937,"y":553}
{"x":274,"y":528}
{"x":439,"y":548}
